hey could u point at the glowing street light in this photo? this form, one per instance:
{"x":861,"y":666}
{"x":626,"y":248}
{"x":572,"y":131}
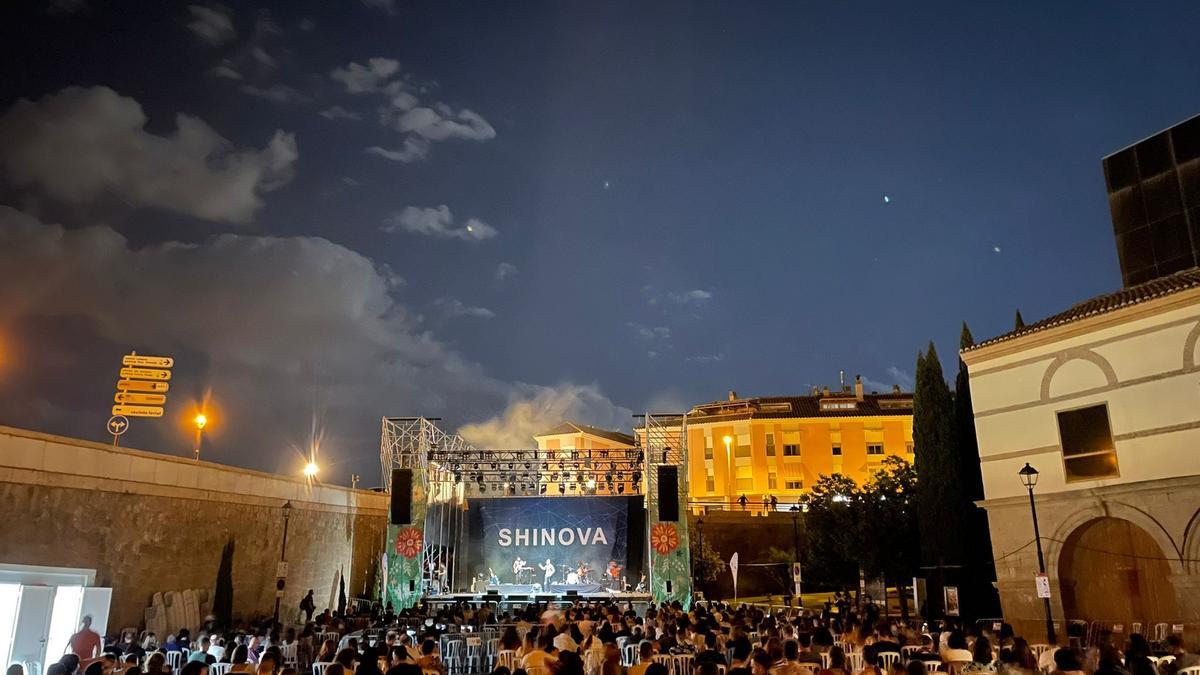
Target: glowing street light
{"x":200,"y":420}
{"x":310,"y":470}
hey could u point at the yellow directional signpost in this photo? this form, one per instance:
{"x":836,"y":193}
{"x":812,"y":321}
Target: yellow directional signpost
{"x":141,"y":390}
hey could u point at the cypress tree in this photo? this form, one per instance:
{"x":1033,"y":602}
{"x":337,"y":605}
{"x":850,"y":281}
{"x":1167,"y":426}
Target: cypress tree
{"x":940,"y":493}
{"x":223,"y":593}
{"x":979,"y":597}
{"x":1019,"y":323}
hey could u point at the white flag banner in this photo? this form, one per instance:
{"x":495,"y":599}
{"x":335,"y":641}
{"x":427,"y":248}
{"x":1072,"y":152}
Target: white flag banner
{"x":733,"y":565}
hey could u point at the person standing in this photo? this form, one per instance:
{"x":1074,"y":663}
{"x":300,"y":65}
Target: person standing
{"x":308,"y":606}
{"x":548,"y":570}
{"x":86,"y":643}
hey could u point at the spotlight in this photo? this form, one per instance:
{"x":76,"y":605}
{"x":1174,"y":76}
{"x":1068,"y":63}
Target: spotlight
{"x":543,"y":490}
{"x":621,"y":489}
{"x":591,"y":483}
{"x":562,"y":488}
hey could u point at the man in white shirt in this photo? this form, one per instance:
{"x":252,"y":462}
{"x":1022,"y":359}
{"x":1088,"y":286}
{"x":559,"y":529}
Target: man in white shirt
{"x":563,"y":642}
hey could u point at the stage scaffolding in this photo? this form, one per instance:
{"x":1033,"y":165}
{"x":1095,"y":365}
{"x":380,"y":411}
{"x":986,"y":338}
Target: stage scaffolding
{"x":447,"y":471}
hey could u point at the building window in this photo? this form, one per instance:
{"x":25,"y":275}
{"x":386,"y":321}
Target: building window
{"x":741,"y":451}
{"x":850,"y":404}
{"x":772,"y":481}
{"x":745,"y":484}
{"x":791,"y":450}
{"x":770,"y":445}
{"x":1087,"y":444}
{"x":710,"y":484}
{"x":837,"y":449}
{"x":708,"y":454}
{"x":874,"y":448}
{"x":794,"y":485}
{"x":908,"y":448}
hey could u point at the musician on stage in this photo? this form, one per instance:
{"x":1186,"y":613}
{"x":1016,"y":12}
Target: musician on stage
{"x":519,"y":566}
{"x":614,"y":570}
{"x":492,"y":579}
{"x":548,"y":569}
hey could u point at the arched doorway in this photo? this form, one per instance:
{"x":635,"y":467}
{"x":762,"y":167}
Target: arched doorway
{"x":1111,"y":569}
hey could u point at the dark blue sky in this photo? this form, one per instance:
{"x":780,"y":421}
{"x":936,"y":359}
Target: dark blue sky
{"x":643,"y":152}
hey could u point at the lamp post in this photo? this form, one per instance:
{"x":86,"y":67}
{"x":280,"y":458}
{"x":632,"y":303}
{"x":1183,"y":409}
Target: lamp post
{"x":700,"y":552}
{"x":281,"y":581}
{"x":200,"y":421}
{"x":796,"y":543}
{"x":1029,"y":477}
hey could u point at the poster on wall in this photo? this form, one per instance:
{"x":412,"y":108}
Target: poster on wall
{"x":950,"y":597}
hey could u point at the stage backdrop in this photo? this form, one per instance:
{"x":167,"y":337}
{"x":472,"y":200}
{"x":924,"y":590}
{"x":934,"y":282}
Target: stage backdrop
{"x":567,"y":530}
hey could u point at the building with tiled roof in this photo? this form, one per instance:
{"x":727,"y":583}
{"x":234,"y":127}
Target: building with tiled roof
{"x":778,"y":446}
{"x":1103,"y":401}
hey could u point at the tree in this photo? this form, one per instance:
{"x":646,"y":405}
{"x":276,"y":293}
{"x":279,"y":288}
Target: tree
{"x":889,"y":546}
{"x":779,"y":568}
{"x":940,"y":493}
{"x":1019,"y":323}
{"x":707,"y":563}
{"x":981,"y":595}
{"x":223,"y":593}
{"x":831,"y":524}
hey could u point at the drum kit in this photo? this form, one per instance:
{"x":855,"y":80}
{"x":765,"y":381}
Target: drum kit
{"x":579,"y":574}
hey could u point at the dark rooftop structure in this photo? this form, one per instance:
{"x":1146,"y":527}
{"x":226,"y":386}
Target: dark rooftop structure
{"x":1154,"y":196}
{"x":846,"y":402}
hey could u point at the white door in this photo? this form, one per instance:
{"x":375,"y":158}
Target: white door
{"x":33,"y":628}
{"x":95,"y":604}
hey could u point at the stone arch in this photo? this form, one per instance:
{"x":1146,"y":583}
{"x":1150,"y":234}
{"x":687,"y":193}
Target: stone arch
{"x":1110,"y":509}
{"x":1189,"y":347}
{"x":1191,"y":544}
{"x":1110,"y":567}
{"x":1074,"y":354}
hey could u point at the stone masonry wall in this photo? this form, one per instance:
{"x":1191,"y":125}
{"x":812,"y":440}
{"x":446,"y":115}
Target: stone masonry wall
{"x":160,"y":525}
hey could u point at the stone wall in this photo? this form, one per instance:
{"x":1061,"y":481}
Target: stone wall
{"x":148,"y":523}
{"x":1166,"y":510}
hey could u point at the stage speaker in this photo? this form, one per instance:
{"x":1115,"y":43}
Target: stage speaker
{"x":668,"y":494}
{"x":401,"y":510}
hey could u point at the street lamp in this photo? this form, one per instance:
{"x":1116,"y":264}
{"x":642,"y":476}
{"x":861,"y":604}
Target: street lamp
{"x":200,"y":420}
{"x":700,"y":551}
{"x":1029,"y":478}
{"x":796,"y":543}
{"x":310,"y":470}
{"x":282,"y":580}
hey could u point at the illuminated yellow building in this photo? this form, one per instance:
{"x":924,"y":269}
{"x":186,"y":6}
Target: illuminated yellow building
{"x":761,"y":447}
{"x":577,"y":454}
{"x":779,"y":446}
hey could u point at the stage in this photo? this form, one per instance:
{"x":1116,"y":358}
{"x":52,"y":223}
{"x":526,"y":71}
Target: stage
{"x":523,"y":594}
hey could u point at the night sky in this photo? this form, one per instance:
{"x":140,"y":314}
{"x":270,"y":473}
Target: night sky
{"x":509,"y":213}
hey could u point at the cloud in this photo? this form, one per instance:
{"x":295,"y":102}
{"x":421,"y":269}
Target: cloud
{"x":440,"y":124}
{"x":276,"y":326}
{"x":437,"y":222}
{"x":79,"y":145}
{"x":655,"y":296}
{"x":212,"y":24}
{"x":897,"y":376}
{"x":279,"y":93}
{"x":453,"y":308}
{"x":534,"y":409}
{"x":649,"y":332}
{"x":225,"y":70}
{"x":360,"y":79}
{"x":388,"y":6}
{"x":401,"y":110}
{"x":706,"y":358}
{"x":505,"y":270}
{"x":337,"y":112}
{"x":414,"y":149}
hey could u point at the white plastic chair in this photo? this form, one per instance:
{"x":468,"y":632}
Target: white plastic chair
{"x":509,"y":658}
{"x":175,"y":660}
{"x":825,"y":659}
{"x":319,"y":667}
{"x":908,"y":650}
{"x":681,"y":664}
{"x":629,"y":655}
{"x":888,"y":659}
{"x":1194,"y":670}
{"x":935,"y":666}
{"x":288,"y":652}
{"x":474,"y":657}
{"x":452,"y":656}
{"x":219,"y":668}
{"x":855,"y":661}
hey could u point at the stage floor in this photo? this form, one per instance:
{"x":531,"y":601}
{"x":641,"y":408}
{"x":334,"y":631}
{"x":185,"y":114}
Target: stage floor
{"x":520,"y":593}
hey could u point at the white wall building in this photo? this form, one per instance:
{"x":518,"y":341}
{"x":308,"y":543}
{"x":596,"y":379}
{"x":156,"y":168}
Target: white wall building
{"x":1104,"y":401}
